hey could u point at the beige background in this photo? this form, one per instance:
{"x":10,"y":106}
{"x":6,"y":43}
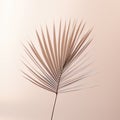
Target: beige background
{"x":20,"y":100}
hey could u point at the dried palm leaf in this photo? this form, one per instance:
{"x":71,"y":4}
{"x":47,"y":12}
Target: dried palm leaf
{"x":59,"y":63}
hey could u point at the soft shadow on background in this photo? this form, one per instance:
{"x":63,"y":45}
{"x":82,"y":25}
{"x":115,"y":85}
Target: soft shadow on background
{"x":21,"y":100}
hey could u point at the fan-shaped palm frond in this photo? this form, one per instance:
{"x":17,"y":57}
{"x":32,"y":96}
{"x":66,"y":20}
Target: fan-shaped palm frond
{"x":58,"y":63}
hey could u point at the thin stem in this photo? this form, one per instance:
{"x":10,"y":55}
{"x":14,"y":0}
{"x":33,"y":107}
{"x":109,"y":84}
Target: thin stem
{"x":56,"y":97}
{"x":54,"y":106}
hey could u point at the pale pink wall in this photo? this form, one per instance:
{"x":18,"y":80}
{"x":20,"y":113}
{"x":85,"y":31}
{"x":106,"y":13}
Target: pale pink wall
{"x":20,"y":100}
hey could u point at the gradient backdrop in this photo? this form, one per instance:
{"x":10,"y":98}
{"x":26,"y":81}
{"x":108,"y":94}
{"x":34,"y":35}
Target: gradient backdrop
{"x":21,"y":100}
